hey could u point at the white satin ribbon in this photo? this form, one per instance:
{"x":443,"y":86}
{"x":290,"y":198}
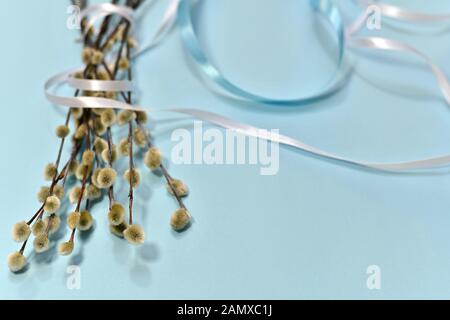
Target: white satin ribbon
{"x":165,"y":26}
{"x":378,"y":43}
{"x":99,"y":85}
{"x":213,"y":118}
{"x":97,"y":11}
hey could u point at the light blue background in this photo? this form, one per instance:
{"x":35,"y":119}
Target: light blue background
{"x":308,"y":232}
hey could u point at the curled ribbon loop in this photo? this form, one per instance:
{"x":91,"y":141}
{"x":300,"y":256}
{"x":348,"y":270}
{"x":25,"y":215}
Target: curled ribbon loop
{"x":378,"y":43}
{"x":193,"y":47}
{"x":103,"y":9}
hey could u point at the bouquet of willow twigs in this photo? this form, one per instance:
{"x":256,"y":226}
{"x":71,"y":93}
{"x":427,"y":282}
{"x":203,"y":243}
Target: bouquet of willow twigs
{"x":94,"y":151}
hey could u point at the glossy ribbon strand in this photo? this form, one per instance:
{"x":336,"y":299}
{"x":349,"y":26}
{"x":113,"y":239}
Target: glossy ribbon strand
{"x":378,"y":43}
{"x":212,"y":73}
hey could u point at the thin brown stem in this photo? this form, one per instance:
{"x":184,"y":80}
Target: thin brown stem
{"x":131,"y":169}
{"x":36,"y":215}
{"x":86,"y":172}
{"x":22,"y":249}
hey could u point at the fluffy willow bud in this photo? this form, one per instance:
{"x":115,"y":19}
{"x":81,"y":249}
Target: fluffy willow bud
{"x":75,"y":194}
{"x":44,"y":193}
{"x":141,"y":116}
{"x":88,"y":157}
{"x":76,"y":112}
{"x":108,"y":117}
{"x":66,"y":248}
{"x":140,"y":137}
{"x":73,"y":219}
{"x":100,"y":145}
{"x":20,"y":231}
{"x":55,"y":223}
{"x":96,"y":57}
{"x":125,"y":116}
{"x":16,"y":261}
{"x":180,"y":219}
{"x":52,"y":204}
{"x":180,"y":188}
{"x":116,"y":215}
{"x":134,"y":234}
{"x":73,"y":166}
{"x":92,"y":192}
{"x":132,"y":177}
{"x":124,"y":63}
{"x":81,"y":131}
{"x":62,"y":131}
{"x":119,"y":229}
{"x":82,"y":170}
{"x":124,"y":147}
{"x":41,"y":243}
{"x":107,"y":157}
{"x":153,"y":158}
{"x":86,"y":55}
{"x":86,"y":221}
{"x":106,"y":177}
{"x":39,"y":227}
{"x":50,"y":172}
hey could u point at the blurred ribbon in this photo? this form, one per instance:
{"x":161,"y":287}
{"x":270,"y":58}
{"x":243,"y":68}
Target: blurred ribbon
{"x":191,"y":43}
{"x":323,"y":6}
{"x":378,"y":43}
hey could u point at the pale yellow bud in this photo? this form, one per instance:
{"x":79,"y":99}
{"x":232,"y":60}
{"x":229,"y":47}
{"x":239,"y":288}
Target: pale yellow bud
{"x":39,"y":227}
{"x":20,"y":231}
{"x":86,"y":221}
{"x":124,"y":63}
{"x":86,"y":55}
{"x":73,"y":219}
{"x":52,"y":204}
{"x":100,"y":145}
{"x":16,"y":261}
{"x":108,"y":117}
{"x":92,"y":192}
{"x":62,"y":131}
{"x":179,"y":186}
{"x":66,"y":248}
{"x":153,"y":158}
{"x":97,"y":57}
{"x":125,"y":116}
{"x":119,"y":229}
{"x":140,"y":137}
{"x":106,"y":177}
{"x":134,"y":234}
{"x":132,"y":176}
{"x":88,"y":157}
{"x":50,"y":172}
{"x":116,"y":215}
{"x":180,"y":219}
{"x":41,"y":243}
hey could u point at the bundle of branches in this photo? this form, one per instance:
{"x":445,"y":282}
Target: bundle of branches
{"x":91,"y":164}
